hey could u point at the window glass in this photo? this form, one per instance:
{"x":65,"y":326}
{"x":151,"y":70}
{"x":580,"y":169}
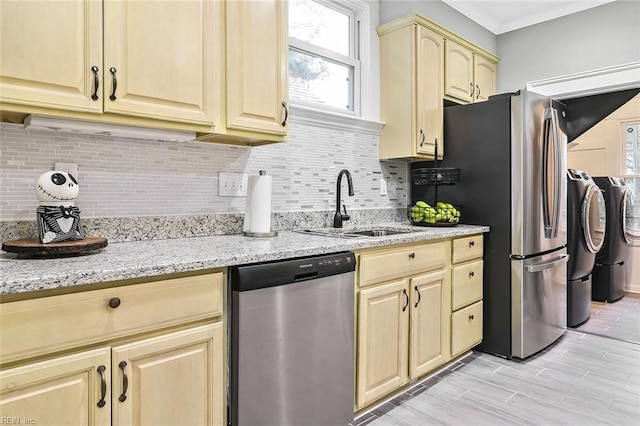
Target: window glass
{"x":319,"y":25}
{"x":631,"y":170}
{"x":632,"y":148}
{"x":314,"y":79}
{"x":324,"y":69}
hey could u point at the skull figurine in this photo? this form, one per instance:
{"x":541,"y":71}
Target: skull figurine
{"x":58,"y":218}
{"x":57,"y":188}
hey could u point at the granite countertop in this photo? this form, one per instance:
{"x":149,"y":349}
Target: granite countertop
{"x":120,"y":261}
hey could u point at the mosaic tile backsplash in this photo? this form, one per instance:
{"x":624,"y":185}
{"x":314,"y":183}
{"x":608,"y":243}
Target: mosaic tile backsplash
{"x":130,"y":178}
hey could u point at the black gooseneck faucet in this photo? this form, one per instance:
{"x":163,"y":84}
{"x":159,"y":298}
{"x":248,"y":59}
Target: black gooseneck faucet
{"x":339,"y":216}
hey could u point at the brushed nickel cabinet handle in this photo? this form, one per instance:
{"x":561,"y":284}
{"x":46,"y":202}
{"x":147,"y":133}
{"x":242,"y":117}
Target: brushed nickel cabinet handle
{"x":103,"y":386}
{"x":113,"y":71}
{"x":96,"y":82}
{"x":125,"y":381}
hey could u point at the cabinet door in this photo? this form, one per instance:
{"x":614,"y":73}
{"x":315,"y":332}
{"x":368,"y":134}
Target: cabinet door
{"x":485,"y":78}
{"x":426,"y":339}
{"x":383,"y":325}
{"x":458,"y":72}
{"x":429,"y":91}
{"x":174,"y":379}
{"x":257,"y":65}
{"x":66,"y":390}
{"x":158,"y":59}
{"x":48,"y":50}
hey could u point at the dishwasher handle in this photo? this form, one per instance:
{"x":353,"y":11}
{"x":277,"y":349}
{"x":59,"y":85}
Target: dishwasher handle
{"x":305,"y":277}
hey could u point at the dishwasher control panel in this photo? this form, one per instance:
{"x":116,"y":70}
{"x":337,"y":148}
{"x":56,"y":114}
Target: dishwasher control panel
{"x":269,"y":274}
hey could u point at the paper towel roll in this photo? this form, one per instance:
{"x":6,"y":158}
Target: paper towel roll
{"x":259,"y":204}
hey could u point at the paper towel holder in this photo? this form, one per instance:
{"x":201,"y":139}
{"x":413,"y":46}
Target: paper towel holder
{"x":260,"y":234}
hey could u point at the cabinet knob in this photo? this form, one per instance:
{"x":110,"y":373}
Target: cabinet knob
{"x":470,"y":317}
{"x":114,"y":302}
{"x":412,"y":255}
{"x":471,"y":274}
{"x":472,"y":243}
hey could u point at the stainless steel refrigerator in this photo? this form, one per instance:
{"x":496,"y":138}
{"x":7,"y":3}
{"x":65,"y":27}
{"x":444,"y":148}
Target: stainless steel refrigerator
{"x":511,"y":151}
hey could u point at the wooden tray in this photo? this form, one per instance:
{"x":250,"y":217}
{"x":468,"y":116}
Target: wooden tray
{"x":32,"y":247}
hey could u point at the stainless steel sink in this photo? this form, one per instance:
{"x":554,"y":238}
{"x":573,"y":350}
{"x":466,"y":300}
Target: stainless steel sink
{"x":380,"y":232}
{"x":355,"y":233}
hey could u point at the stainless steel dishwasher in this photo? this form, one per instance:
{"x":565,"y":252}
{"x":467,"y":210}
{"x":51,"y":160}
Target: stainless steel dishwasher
{"x":291,"y":342}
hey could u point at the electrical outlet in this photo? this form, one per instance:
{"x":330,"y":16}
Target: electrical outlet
{"x":232,"y":184}
{"x":383,"y":186}
{"x":67,"y":167}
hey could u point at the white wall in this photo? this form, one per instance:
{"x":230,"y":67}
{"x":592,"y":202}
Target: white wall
{"x":601,"y":37}
{"x":443,"y":15}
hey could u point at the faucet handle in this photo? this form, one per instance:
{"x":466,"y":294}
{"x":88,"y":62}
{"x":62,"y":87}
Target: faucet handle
{"x":345,"y":216}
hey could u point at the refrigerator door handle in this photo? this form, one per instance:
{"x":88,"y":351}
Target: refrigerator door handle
{"x":547,"y":208}
{"x":539,"y":267}
{"x":558,"y":174}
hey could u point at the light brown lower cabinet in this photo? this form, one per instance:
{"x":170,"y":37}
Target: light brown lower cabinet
{"x":418,"y":307}
{"x":400,"y":332}
{"x":170,"y":379}
{"x":60,"y":391}
{"x":149,"y":353}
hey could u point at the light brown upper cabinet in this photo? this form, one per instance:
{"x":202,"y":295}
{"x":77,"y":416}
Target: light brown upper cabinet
{"x":414,"y":81}
{"x":469,"y":77}
{"x":215,"y":67}
{"x":255,"y":107}
{"x":118,"y":61}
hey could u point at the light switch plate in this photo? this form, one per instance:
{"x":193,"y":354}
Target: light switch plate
{"x":232,"y":184}
{"x":383,"y":186}
{"x":67,"y":167}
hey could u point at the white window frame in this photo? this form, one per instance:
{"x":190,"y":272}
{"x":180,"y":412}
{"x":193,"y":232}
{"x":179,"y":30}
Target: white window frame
{"x":623,"y":168}
{"x":359,"y":119}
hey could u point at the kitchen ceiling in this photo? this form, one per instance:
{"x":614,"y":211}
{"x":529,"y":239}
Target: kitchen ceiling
{"x":501,"y":16}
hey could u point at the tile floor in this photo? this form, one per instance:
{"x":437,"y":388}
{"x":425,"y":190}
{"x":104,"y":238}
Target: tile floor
{"x":583,"y":379}
{"x":619,"y":320}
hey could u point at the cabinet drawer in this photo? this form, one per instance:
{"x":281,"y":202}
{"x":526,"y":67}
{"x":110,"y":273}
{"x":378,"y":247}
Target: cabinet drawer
{"x":466,"y":286}
{"x":40,"y":326}
{"x":466,"y":328}
{"x":401,"y":262}
{"x":466,"y":249}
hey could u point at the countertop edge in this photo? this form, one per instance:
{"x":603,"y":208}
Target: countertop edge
{"x":129,"y":260}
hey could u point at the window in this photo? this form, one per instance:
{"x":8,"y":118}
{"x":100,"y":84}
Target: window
{"x":324,"y":54}
{"x":631,"y":170}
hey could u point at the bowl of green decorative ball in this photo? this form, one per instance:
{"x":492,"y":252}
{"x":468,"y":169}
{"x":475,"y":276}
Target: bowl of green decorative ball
{"x":442,"y":214}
